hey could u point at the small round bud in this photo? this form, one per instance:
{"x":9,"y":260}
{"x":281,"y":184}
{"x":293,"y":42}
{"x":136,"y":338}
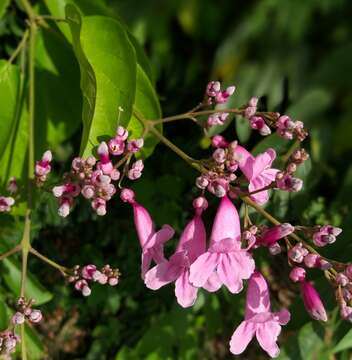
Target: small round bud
{"x":297,"y":274}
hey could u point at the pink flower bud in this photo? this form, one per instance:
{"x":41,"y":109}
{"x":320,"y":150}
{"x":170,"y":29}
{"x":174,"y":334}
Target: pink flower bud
{"x":127,"y":195}
{"x":297,"y":274}
{"x":88,"y":271}
{"x":346,"y":312}
{"x":311,"y":260}
{"x":18,"y":318}
{"x":86,"y":291}
{"x":219,"y":155}
{"x":65,"y":206}
{"x":341,"y":279}
{"x":202,"y":182}
{"x":213,"y":88}
{"x":275,"y":249}
{"x":134,"y":146}
{"x":91,"y":161}
{"x":115,"y":174}
{"x":88,"y":191}
{"x":116,"y":146}
{"x":200,"y":203}
{"x":312,"y":301}
{"x":6,"y":203}
{"x":219,"y":141}
{"x":113,"y":281}
{"x":99,"y":205}
{"x":42,"y":166}
{"x":348,"y":271}
{"x":275,"y":233}
{"x":324,"y":264}
{"x":35,"y":316}
{"x":12,"y":187}
{"x":297,"y":253}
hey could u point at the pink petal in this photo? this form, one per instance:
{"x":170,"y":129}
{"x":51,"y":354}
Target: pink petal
{"x":159,"y":276}
{"x":185,"y":292}
{"x":267,"y":334}
{"x":246,"y":264}
{"x":202,"y":268}
{"x":193,"y":239}
{"x":258,"y":299}
{"x":246,"y":160}
{"x":256,"y":184}
{"x":263,"y":161}
{"x":146,"y":261}
{"x":160,"y":237}
{"x":283,"y":316}
{"x":227,"y":270}
{"x":226,"y":223}
{"x":241,"y":337}
{"x":213,"y":283}
{"x":225,"y":246}
{"x":143,"y":223}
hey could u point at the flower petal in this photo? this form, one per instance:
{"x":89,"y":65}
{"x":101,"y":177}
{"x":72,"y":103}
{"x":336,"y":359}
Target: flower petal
{"x":228,"y":272}
{"x":283,"y":316}
{"x":146,"y":261}
{"x":258,"y":299}
{"x":226,"y":223}
{"x":213,"y":283}
{"x":143,"y":223}
{"x":202,"y":268}
{"x":193,"y":239}
{"x":267,"y":334}
{"x":162,"y":274}
{"x":185,"y":292}
{"x":241,"y":337}
{"x":160,"y":237}
{"x":245,"y":262}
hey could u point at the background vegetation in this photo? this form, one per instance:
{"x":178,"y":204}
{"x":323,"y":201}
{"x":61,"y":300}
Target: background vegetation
{"x":295,"y":55}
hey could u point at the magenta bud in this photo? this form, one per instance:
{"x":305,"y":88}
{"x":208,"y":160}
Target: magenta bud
{"x":88,"y":271}
{"x":202,"y":182}
{"x":312,"y":301}
{"x":275,"y":249}
{"x":341,"y":279}
{"x":297,"y":274}
{"x":219,"y":141}
{"x":297,"y":253}
{"x":127,"y":195}
{"x":311,"y":260}
{"x":200,"y":203}
{"x":324,"y":264}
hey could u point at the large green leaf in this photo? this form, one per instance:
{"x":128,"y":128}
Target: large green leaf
{"x":147,"y":104}
{"x":344,"y":343}
{"x":9,"y":90}
{"x":3,"y":5}
{"x":57,"y":72}
{"x":108,"y":74}
{"x":34,"y":290}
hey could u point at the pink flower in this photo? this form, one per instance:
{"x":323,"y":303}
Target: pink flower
{"x":312,"y":301}
{"x":42,"y":167}
{"x":258,"y":123}
{"x":297,"y":274}
{"x":6,"y":203}
{"x":192,"y":244}
{"x":152,"y":242}
{"x":134,"y":146}
{"x":105,"y":164}
{"x":258,"y":171}
{"x":259,"y":320}
{"x":12,"y":187}
{"x":325,"y":235}
{"x":224,"y":262}
{"x":271,"y":235}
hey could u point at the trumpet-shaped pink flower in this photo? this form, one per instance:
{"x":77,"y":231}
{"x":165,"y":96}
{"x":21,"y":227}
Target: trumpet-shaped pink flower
{"x":192,"y":244}
{"x":224,"y":262}
{"x":271,"y":235}
{"x":259,"y":320}
{"x":312,"y":301}
{"x":152,"y":242}
{"x":258,"y":171}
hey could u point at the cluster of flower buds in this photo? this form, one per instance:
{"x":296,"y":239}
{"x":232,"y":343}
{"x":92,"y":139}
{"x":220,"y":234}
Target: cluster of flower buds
{"x":25,"y":312}
{"x":223,"y":165}
{"x":285,"y":179}
{"x":217,"y":119}
{"x":8,"y":342}
{"x":344,"y":292}
{"x":6,"y":202}
{"x":256,"y":122}
{"x":82,"y":276}
{"x":12,"y":186}
{"x":325,"y":235}
{"x":94,"y":178}
{"x":217,"y":96}
{"x":43,"y":168}
{"x":289,"y":129}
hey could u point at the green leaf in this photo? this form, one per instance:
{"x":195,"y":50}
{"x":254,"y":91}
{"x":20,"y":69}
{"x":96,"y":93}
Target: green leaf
{"x":147,"y":104}
{"x":3,"y":5}
{"x":9,"y":90}
{"x":108,"y":74}
{"x":35,"y":348}
{"x":3,"y":315}
{"x":344,"y":343}
{"x":57,"y":71}
{"x":34,"y":290}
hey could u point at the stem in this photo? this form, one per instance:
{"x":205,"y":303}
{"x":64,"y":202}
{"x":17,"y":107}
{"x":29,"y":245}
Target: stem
{"x":20,"y":46}
{"x":14,"y":250}
{"x":192,"y":114}
{"x":29,"y":10}
{"x":149,"y":125}
{"x":52,"y":263}
{"x":49,"y":17}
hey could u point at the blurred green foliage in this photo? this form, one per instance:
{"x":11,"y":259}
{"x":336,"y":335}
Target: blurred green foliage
{"x":295,"y":55}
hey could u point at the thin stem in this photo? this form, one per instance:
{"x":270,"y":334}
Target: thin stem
{"x":20,"y":46}
{"x":149,"y":125}
{"x":49,"y":17}
{"x":52,"y":263}
{"x":193,"y":114}
{"x":29,"y":10}
{"x":265,"y":188}
{"x":14,"y":250}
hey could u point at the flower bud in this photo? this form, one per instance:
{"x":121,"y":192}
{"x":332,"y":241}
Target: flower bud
{"x":312,"y":301}
{"x":297,"y":274}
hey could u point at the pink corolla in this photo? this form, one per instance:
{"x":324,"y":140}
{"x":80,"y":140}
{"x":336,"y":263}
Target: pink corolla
{"x":191,"y":245}
{"x":259,"y":320}
{"x":151,"y":241}
{"x":312,"y":301}
{"x":271,"y":235}
{"x":258,"y":171}
{"x":225,"y":263}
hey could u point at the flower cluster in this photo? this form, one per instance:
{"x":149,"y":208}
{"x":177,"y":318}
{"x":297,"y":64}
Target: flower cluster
{"x":6,"y":202}
{"x":289,"y":129}
{"x":217,"y":96}
{"x":43,"y":168}
{"x":82,"y":276}
{"x":94,"y":179}
{"x":25,"y":312}
{"x":8,"y":342}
